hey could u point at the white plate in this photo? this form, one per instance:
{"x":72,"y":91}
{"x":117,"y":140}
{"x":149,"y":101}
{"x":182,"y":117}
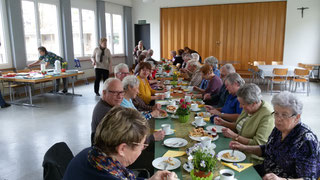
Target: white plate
{"x":174,"y":116}
{"x":162,"y":102}
{"x":169,"y":111}
{"x":205,"y":114}
{"x":198,"y":109}
{"x":194,"y":123}
{"x":170,"y":132}
{"x":185,"y":167}
{"x":218,"y":178}
{"x":175,"y":142}
{"x":199,"y":138}
{"x":240,"y":155}
{"x":160,"y":164}
{"x":218,"y":128}
{"x":161,"y":117}
{"x":156,"y":94}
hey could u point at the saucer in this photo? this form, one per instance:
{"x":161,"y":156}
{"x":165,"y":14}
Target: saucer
{"x":218,"y":178}
{"x":170,"y":132}
{"x":198,"y":109}
{"x":194,"y":123}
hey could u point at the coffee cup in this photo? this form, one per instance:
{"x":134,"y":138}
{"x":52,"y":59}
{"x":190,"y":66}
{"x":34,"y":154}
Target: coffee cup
{"x":167,"y":94}
{"x":172,"y":102}
{"x":168,"y":87}
{"x":198,"y":120}
{"x":205,"y":141}
{"x":188,"y":98}
{"x":226,"y":174}
{"x":166,"y":128}
{"x":180,"y":80}
{"x":190,"y":88}
{"x":194,"y":106}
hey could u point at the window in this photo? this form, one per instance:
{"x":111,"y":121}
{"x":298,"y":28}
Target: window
{"x":114,"y":28}
{"x":41,"y":27}
{"x":83,"y":30}
{"x":5,"y":57}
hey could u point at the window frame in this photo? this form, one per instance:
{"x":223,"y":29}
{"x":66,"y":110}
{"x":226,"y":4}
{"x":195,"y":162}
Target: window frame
{"x":37,"y":21}
{"x":6,"y":39}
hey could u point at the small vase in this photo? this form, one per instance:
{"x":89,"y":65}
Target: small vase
{"x":184,"y":118}
{"x":200,"y":175}
{"x":168,"y":71}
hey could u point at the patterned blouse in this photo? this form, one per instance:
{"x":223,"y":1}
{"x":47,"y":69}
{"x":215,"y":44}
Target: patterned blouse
{"x":297,"y":156}
{"x":51,"y":58}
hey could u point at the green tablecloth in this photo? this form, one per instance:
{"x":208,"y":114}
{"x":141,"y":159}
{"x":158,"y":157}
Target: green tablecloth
{"x":182,"y":131}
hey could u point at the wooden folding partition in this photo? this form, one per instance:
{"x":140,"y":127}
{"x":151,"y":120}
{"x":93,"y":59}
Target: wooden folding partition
{"x":244,"y":32}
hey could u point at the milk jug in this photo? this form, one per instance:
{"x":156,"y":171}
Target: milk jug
{"x":57,"y":66}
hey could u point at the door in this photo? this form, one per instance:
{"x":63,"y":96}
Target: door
{"x":142,"y":32}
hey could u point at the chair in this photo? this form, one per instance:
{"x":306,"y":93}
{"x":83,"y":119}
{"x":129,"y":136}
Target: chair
{"x":301,"y":76}
{"x":276,"y":62}
{"x":279,"y":76}
{"x":12,"y":86}
{"x":77,"y":65}
{"x":257,"y":63}
{"x":255,"y":72}
{"x":56,"y":161}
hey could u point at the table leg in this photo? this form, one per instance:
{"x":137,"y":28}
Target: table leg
{"x":72,"y":84}
{"x":10,"y":91}
{"x":30,"y":94}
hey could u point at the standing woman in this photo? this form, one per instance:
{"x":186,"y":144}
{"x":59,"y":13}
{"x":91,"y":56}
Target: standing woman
{"x":102,"y":62}
{"x":136,"y":50}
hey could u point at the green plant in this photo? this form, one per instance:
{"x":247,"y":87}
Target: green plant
{"x":167,"y":67}
{"x":184,"y":108}
{"x":64,"y":65}
{"x":202,"y":158}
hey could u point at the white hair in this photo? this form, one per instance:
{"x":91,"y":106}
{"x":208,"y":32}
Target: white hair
{"x":150,"y":53}
{"x":229,"y":68}
{"x":130,"y":81}
{"x":120,"y":66}
{"x":288,"y":100}
{"x":233,"y":78}
{"x":212,"y":61}
{"x":195,"y":56}
{"x":250,"y":93}
{"x":108,"y":81}
{"x":193,"y":62}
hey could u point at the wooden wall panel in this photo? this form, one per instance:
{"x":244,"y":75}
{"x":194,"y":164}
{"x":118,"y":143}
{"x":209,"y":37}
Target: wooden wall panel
{"x":236,"y":32}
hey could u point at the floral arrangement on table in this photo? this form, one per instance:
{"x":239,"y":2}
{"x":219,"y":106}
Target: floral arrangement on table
{"x":203,"y":161}
{"x":175,"y":76}
{"x":183,"y":111}
{"x":163,"y":60}
{"x":167,"y":68}
{"x":64,"y":66}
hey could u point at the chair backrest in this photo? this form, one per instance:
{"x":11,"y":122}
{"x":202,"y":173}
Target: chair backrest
{"x":277,"y":63}
{"x":301,"y":72}
{"x":280,"y":72}
{"x":77,"y":63}
{"x":257,"y":63}
{"x":56,"y":161}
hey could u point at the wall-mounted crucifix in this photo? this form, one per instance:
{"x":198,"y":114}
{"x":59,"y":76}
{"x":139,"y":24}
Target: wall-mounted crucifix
{"x":302,"y":9}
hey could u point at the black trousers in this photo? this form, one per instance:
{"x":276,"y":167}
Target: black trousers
{"x":65,"y":84}
{"x":100,"y":73}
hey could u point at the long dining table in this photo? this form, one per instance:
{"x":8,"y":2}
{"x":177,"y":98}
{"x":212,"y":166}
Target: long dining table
{"x":182,"y":131}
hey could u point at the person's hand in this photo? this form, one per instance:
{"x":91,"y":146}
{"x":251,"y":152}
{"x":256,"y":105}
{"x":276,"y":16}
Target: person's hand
{"x":271,"y":176}
{"x":207,"y":96}
{"x":156,"y":106}
{"x":228,"y":133}
{"x":237,"y":145}
{"x":29,"y":65}
{"x":155,"y":113}
{"x":215,"y":112}
{"x":195,"y":88}
{"x":208,"y":108}
{"x":93,"y":63}
{"x":159,"y":135}
{"x":160,"y":175}
{"x":219,"y":121}
{"x":160,"y":96}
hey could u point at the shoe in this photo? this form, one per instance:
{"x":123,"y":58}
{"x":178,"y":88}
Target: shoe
{"x":64,"y":91}
{"x":52,"y":91}
{"x":5,"y":105}
{"x":97,"y":94}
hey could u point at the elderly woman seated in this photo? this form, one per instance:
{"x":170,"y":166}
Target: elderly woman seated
{"x":231,"y":108}
{"x":193,"y":73}
{"x":131,"y":90}
{"x":292,"y":150}
{"x":118,"y":142}
{"x":146,"y":93}
{"x":213,"y":62}
{"x":214,"y":82}
{"x":254,"y":124}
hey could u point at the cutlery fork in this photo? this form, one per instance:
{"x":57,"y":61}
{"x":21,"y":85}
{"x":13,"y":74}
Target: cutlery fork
{"x":232,"y":154}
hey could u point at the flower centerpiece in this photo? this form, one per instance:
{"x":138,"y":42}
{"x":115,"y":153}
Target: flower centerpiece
{"x":175,"y":76}
{"x":183,"y":111}
{"x":64,"y":66}
{"x":167,"y":68}
{"x":202,"y":160}
{"x":163,"y":60}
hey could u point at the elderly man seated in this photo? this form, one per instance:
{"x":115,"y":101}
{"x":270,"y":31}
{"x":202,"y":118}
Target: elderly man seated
{"x":121,"y":71}
{"x":149,"y":57}
{"x":193,"y":73}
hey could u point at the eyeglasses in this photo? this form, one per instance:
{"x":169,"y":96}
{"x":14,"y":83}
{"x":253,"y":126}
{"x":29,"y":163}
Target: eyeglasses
{"x":116,"y":92}
{"x":144,"y":145}
{"x":282,"y":116}
{"x":123,"y":73}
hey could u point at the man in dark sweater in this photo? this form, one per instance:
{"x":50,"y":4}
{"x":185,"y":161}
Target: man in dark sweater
{"x":217,"y":100}
{"x":112,"y":95}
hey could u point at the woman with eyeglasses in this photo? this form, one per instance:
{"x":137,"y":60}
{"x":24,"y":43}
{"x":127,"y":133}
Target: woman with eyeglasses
{"x":146,"y":93}
{"x":292,"y":150}
{"x":255,"y":122}
{"x":118,"y":142}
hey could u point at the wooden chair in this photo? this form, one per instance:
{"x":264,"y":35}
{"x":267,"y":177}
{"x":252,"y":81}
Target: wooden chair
{"x":301,"y":76}
{"x":279,"y":76}
{"x":257,"y":63}
{"x":255,"y":72}
{"x":276,"y":62}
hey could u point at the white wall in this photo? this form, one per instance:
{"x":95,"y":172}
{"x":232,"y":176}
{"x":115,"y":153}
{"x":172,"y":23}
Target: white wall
{"x":301,"y":38}
{"x":302,"y":35}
